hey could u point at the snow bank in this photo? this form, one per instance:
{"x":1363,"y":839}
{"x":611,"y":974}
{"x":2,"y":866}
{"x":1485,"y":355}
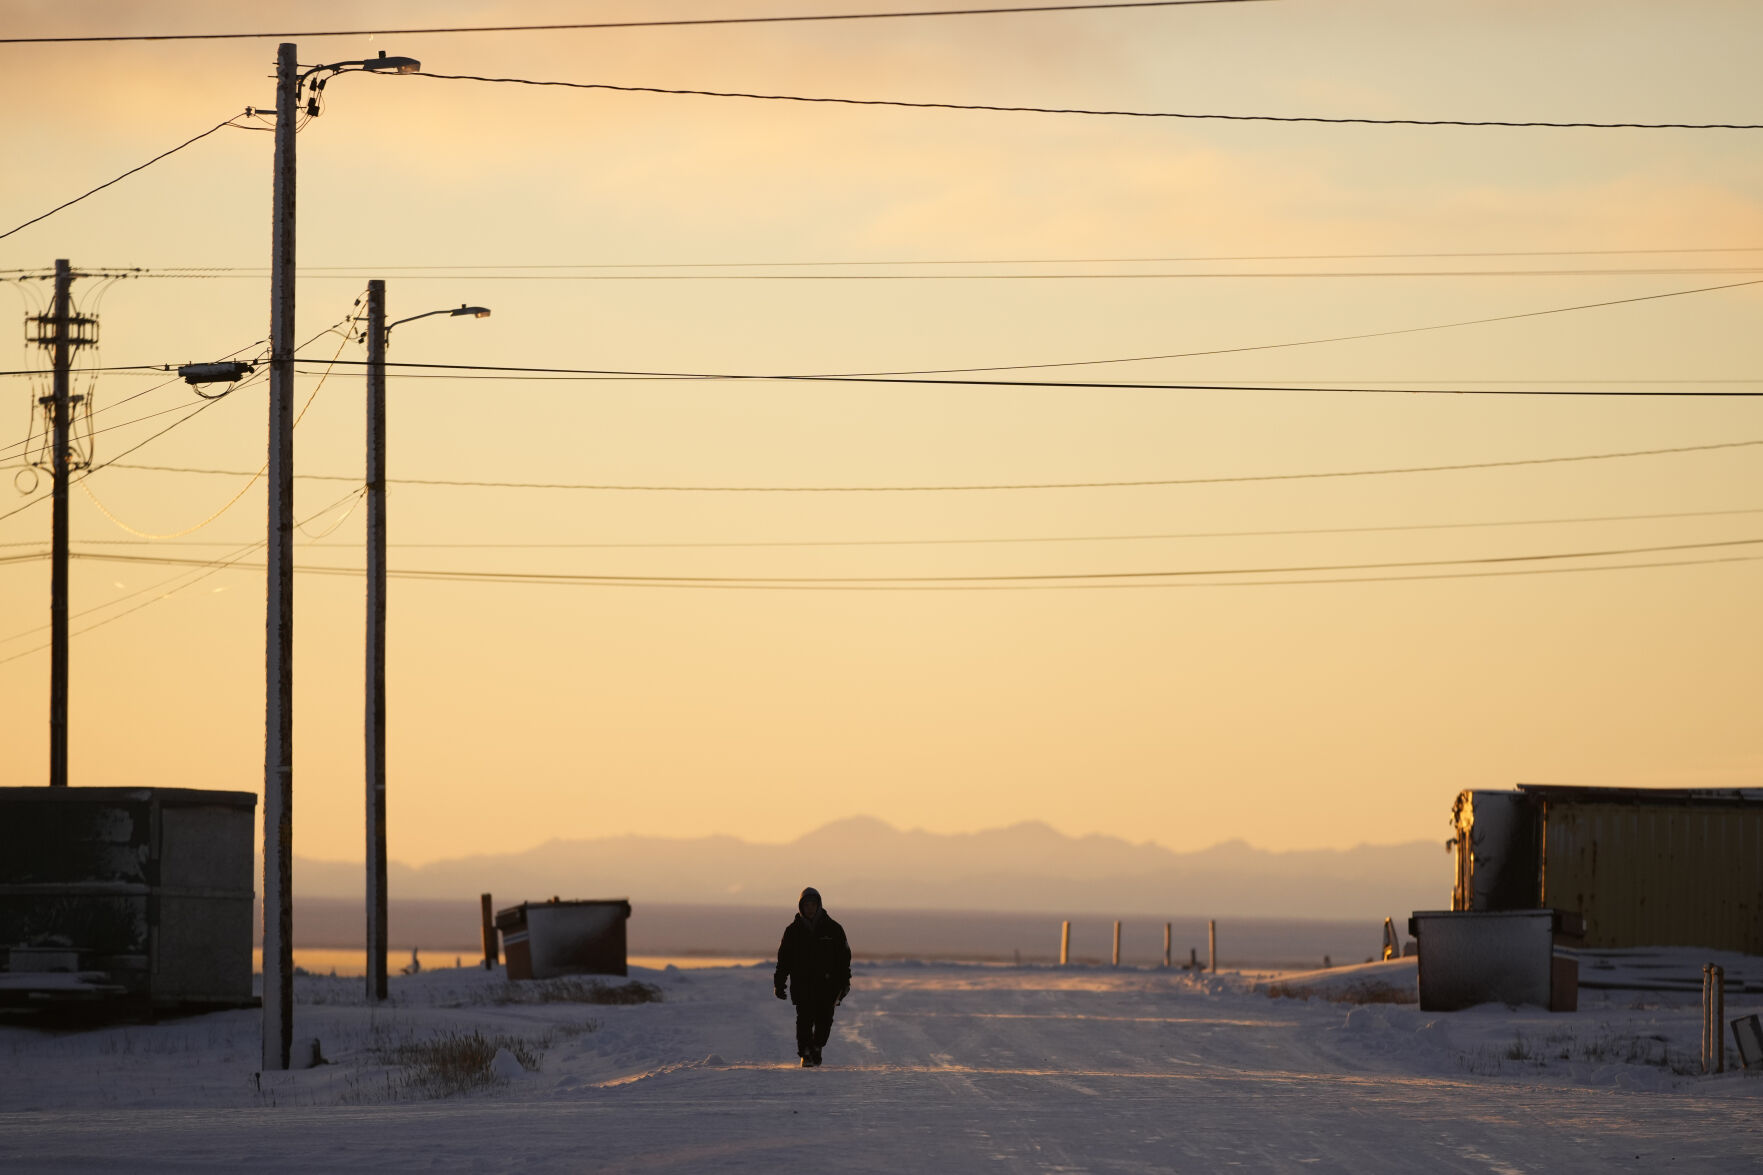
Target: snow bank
{"x":1392,"y":982}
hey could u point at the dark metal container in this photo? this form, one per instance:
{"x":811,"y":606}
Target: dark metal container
{"x":143,"y":894}
{"x":543,"y":940}
{"x":1470,"y":957}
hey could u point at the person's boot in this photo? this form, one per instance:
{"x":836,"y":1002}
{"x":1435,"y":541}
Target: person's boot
{"x":807,"y":1062}
{"x":813,"y":1057}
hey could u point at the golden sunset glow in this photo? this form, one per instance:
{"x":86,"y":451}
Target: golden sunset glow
{"x":1344,"y":699}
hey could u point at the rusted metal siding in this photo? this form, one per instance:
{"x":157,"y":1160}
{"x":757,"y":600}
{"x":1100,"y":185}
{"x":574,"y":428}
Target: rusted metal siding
{"x":1652,"y":874}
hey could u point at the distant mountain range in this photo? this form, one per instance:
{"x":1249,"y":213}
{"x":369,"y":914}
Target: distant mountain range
{"x":866,"y":863}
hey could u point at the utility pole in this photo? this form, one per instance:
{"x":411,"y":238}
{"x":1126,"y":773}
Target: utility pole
{"x":278,"y":749}
{"x":61,"y":332}
{"x":376,"y":640}
{"x":379,"y":336}
{"x":278,"y":741}
{"x":61,"y":351}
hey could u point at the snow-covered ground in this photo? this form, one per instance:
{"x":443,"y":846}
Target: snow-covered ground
{"x":931,"y":1068}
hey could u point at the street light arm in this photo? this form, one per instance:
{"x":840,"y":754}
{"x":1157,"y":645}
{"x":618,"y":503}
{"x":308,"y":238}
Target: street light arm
{"x":462,"y":312}
{"x":413,"y":318}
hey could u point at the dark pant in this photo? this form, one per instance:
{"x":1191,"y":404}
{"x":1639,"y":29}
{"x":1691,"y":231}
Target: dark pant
{"x":814,"y":1023}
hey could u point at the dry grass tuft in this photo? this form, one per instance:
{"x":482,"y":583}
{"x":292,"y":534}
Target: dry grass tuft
{"x":457,"y":1062}
{"x":571,"y":991}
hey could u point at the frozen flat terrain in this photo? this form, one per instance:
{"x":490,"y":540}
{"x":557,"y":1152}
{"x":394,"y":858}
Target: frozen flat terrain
{"x":931,"y":1068}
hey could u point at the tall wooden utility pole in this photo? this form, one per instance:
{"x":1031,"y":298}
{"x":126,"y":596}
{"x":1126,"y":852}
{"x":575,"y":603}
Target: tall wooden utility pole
{"x":376,"y":640}
{"x":61,"y":351}
{"x":278,"y":741}
{"x":61,"y":332}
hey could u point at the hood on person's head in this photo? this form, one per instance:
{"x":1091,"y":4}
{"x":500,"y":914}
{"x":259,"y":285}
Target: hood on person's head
{"x":810,"y":893}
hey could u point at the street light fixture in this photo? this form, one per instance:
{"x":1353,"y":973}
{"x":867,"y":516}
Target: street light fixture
{"x":380,"y":64}
{"x":378,"y":335}
{"x":391,"y":64}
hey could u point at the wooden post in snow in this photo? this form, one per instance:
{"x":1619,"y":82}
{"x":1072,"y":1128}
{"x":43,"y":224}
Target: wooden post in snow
{"x":1117,"y":942}
{"x":1065,"y":943}
{"x":1212,"y":945}
{"x":1704,"y":1049}
{"x":1719,"y":1018}
{"x":1166,"y":936}
{"x":492,"y":956}
{"x":1713,"y":1018}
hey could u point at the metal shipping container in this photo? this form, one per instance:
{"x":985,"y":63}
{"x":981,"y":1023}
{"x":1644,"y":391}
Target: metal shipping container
{"x":139,"y":893}
{"x":542,"y":940}
{"x":1642,"y":866}
{"x":1470,"y":957}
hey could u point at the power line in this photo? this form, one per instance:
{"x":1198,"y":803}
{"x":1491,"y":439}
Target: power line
{"x":627,"y":24}
{"x":125,"y":175}
{"x":203,"y":407}
{"x":1352,"y":338}
{"x":1261,"y":477}
{"x":986,"y":540}
{"x":1363,"y":335}
{"x":1244,"y":385}
{"x":517,"y":373}
{"x":1358,"y":385}
{"x":230,"y":502}
{"x":158,"y":368}
{"x":1138,"y":585}
{"x":400,"y":269}
{"x":1279,"y":118}
{"x":1146,"y":584}
{"x":1098,"y":362}
{"x":207,"y":569}
{"x":132,"y":396}
{"x":356,"y":273}
{"x":1073,"y":577}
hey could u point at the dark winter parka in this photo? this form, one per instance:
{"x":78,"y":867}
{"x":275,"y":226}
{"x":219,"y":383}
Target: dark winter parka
{"x":815,"y":958}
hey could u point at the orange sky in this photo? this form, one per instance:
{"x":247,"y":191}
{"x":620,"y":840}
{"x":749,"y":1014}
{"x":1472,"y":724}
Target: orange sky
{"x":1185,"y":710}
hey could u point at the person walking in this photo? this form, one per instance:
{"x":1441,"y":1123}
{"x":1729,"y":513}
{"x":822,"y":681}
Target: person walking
{"x":814,"y":961}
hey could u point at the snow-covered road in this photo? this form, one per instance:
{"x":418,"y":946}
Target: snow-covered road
{"x":930,"y":1069}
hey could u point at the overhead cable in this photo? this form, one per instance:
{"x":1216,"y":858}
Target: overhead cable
{"x":356,"y":273}
{"x":125,"y":175}
{"x":1094,"y":112}
{"x":514,"y":373}
{"x":1074,"y":485}
{"x":793,"y":544}
{"x":159,"y":368}
{"x":800,"y":18}
{"x":1352,"y":338}
{"x":206,"y":569}
{"x":382,"y":269}
{"x":1075,"y":577}
{"x":230,"y":502}
{"x":198,"y":410}
{"x":1312,"y":342}
{"x":1133,"y":585}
